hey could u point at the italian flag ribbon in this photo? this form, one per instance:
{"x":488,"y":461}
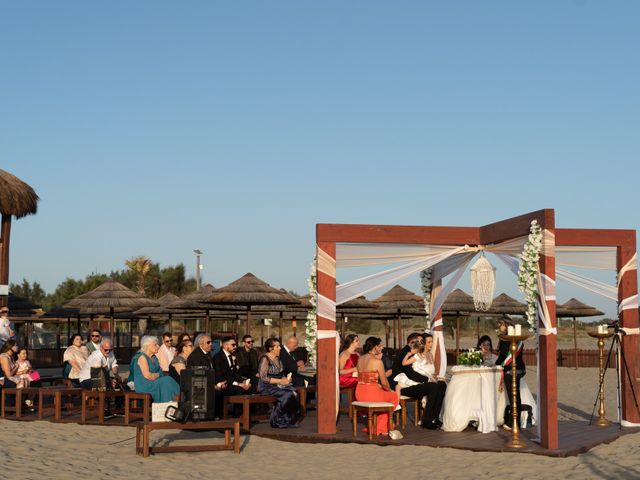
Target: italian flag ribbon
{"x":507,"y":361}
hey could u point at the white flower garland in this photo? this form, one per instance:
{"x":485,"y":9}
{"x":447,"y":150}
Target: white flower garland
{"x":311,"y":327}
{"x":426,"y":284}
{"x":528,"y":273}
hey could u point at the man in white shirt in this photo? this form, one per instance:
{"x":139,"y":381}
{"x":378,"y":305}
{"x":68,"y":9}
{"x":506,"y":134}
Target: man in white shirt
{"x":167,"y":352}
{"x":101,"y":358}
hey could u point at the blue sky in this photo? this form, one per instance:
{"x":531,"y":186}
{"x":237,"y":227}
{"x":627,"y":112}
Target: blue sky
{"x":153,"y":128}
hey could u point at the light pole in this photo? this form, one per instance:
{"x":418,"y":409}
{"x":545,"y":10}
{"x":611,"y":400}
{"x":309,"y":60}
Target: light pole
{"x":198,"y":268}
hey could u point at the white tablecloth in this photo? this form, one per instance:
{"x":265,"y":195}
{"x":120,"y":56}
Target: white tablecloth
{"x":473,"y":395}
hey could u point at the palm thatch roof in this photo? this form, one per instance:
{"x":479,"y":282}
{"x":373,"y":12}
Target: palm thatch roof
{"x":249,"y":290}
{"x":504,"y":304}
{"x":110,"y":297}
{"x":193,"y":301}
{"x":16,"y":197}
{"x":161,"y":308}
{"x":575,"y":308}
{"x":400,"y":299}
{"x":21,"y":306}
{"x":459,"y":301}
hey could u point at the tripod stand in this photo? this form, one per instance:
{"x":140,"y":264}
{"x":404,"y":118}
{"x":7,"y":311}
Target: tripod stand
{"x":616,"y":343}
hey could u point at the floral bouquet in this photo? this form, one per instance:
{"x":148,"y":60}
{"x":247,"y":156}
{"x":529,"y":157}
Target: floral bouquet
{"x":471,"y":358}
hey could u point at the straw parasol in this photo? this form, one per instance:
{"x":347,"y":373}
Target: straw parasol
{"x":108,"y":299}
{"x":357,"y":306}
{"x":249,"y":291}
{"x":399,"y":301}
{"x":573,"y":309}
{"x":503,"y":304}
{"x":193,"y":302}
{"x":19,"y":200}
{"x":459,"y":303}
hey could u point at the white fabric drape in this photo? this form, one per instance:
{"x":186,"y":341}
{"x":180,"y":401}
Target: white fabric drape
{"x":593,"y":286}
{"x":597,"y":258}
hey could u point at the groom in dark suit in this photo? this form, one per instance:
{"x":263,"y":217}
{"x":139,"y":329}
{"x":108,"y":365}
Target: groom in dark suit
{"x":434,"y":391}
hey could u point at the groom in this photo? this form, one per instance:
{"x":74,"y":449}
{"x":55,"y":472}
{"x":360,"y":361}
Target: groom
{"x":434,"y":391}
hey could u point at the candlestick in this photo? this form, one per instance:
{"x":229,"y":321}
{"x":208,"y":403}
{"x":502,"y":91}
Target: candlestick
{"x":601,"y":335}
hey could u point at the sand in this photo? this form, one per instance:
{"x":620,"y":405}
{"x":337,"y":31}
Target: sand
{"x":33,"y":450}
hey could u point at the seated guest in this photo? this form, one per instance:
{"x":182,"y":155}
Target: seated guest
{"x":9,"y":377}
{"x":179,"y":363}
{"x":183,"y":337}
{"x":292,"y":364}
{"x":148,"y":375}
{"x":201,"y":356}
{"x":348,"y":361}
{"x":6,"y":328}
{"x":101,"y":358}
{"x":247,"y":358}
{"x":505,"y":361}
{"x":286,"y":413}
{"x":433,"y":390}
{"x":167,"y":352}
{"x":95,"y":337}
{"x":75,"y":355}
{"x":372,"y":381}
{"x":486,"y":347}
{"x":226,"y":367}
{"x":25,"y":369}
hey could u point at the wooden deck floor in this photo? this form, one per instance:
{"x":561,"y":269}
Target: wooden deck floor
{"x":575,"y":437}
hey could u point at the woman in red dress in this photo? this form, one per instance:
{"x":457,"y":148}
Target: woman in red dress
{"x":370,"y":372}
{"x":348,"y":361}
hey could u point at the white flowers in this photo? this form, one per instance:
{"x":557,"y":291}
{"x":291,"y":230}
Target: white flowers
{"x":425,"y":279}
{"x":311,"y":328}
{"x":471,"y":358}
{"x":528,"y":273}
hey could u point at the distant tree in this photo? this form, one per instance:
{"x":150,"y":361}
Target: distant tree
{"x":140,"y":266}
{"x":34,"y":293}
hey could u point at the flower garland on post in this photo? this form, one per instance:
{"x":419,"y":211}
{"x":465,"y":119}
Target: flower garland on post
{"x":426,"y":284}
{"x":311,"y":327}
{"x":528,"y":273}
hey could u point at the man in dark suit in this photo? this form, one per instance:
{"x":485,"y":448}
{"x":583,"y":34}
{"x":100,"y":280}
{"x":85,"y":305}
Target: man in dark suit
{"x":227,"y":369}
{"x":291,"y":364}
{"x":201,"y":355}
{"x":434,"y":391}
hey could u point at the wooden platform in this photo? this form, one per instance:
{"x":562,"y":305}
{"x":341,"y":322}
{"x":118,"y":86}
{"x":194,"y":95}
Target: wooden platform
{"x":574,"y":437}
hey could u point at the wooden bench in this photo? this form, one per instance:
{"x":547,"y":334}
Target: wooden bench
{"x":417,"y":407}
{"x":57,"y":393}
{"x":246,"y":401}
{"x":132,"y":410}
{"x":18,"y":396}
{"x":102,"y":396}
{"x":143,"y":431}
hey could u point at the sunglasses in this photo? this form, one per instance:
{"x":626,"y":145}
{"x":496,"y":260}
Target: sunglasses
{"x":167,"y":341}
{"x":248,"y":341}
{"x":107,"y":349}
{"x":208,"y":343}
{"x":234,"y":344}
{"x":95,"y":336}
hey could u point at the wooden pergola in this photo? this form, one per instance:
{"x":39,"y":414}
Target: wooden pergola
{"x":328,"y":235}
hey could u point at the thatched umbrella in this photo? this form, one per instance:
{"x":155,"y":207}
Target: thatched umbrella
{"x":193,"y":302}
{"x":503,"y":304}
{"x":108,"y":299}
{"x":459,"y":303}
{"x":249,"y":291}
{"x":573,"y":309}
{"x":16,"y":199}
{"x":357,"y":306}
{"x":400,"y":301}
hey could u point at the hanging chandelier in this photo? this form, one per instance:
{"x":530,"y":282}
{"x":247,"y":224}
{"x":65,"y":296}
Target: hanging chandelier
{"x":483,"y":283}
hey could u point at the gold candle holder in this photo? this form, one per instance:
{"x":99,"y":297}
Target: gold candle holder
{"x":602,"y":420}
{"x":515,"y":441}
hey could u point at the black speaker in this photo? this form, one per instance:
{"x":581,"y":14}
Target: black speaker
{"x":197,"y":393}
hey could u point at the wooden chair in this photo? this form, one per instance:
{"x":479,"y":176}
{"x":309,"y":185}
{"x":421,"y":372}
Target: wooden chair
{"x":132,"y":409}
{"x":404,"y":400}
{"x":372,"y":409}
{"x":350,"y":393}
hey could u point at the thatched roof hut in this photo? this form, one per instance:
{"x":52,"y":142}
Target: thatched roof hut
{"x":506,"y":305}
{"x":575,"y":308}
{"x":458,"y":302}
{"x":396,"y":302}
{"x":16,"y":197}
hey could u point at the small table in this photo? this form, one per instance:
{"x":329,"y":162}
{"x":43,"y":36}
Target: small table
{"x":473,"y":394}
{"x":143,"y":431}
{"x":56,"y":393}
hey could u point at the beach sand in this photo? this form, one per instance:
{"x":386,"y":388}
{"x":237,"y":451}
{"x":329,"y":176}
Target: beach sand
{"x":33,"y":450}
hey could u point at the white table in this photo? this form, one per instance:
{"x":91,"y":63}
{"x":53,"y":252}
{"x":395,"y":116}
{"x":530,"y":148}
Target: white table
{"x":473,"y":395}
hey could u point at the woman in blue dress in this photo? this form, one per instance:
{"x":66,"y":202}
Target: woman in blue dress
{"x":148,"y":376}
{"x":286,"y":413}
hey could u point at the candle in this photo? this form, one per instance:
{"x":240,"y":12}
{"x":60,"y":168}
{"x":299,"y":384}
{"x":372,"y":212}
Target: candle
{"x":518,"y":329}
{"x":510,"y":331}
